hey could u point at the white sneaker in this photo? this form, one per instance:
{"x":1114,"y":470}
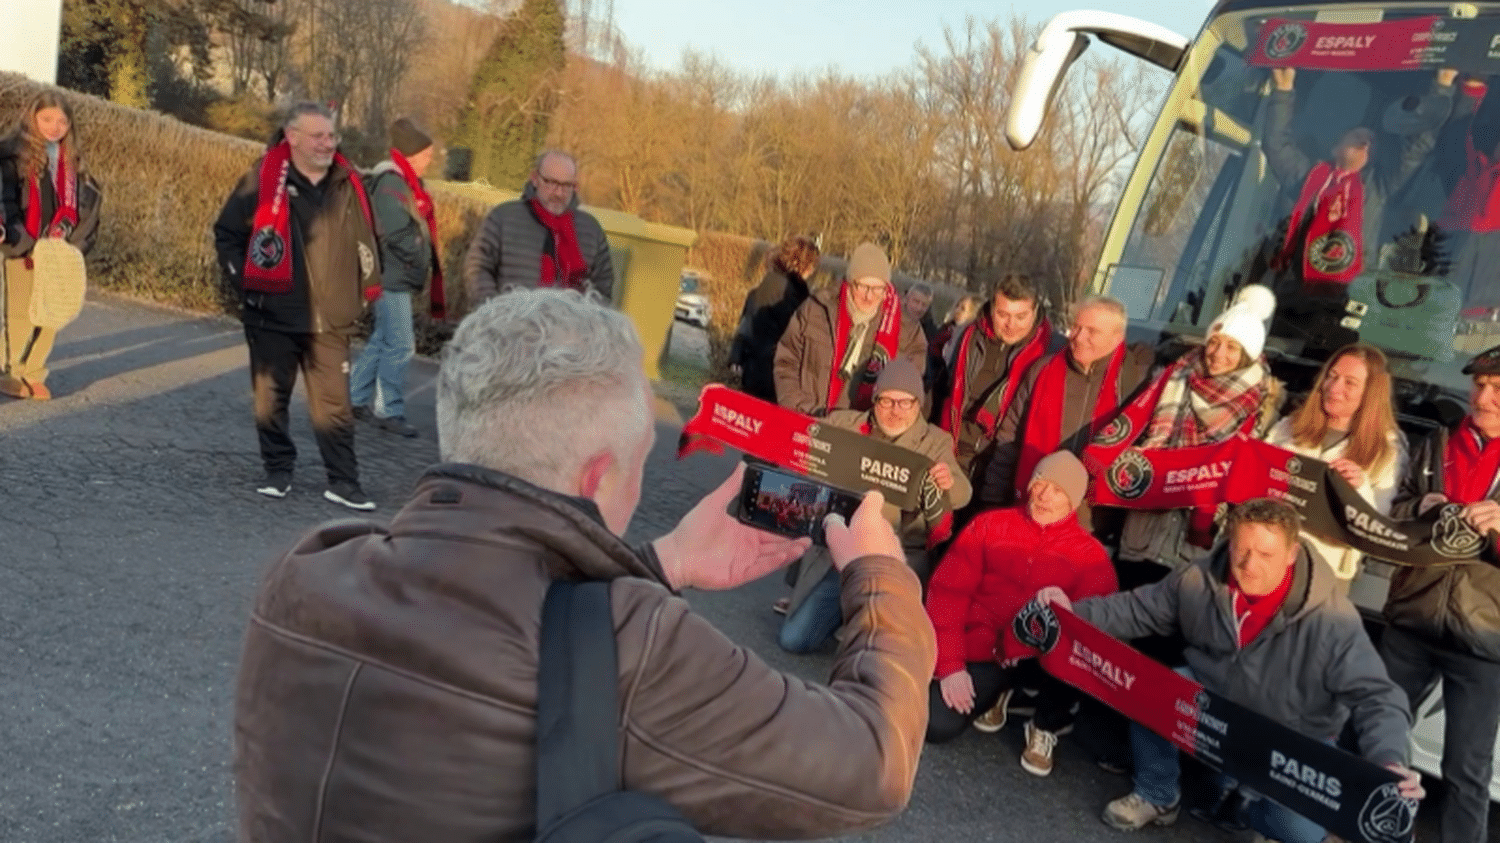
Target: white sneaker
{"x":1133,"y":812}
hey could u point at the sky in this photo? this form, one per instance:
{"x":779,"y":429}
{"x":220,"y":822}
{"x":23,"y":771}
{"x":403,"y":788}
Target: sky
{"x":864,"y":38}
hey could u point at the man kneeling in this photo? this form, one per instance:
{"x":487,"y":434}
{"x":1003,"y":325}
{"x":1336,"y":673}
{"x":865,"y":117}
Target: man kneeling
{"x":1292,"y":649}
{"x":994,"y":567}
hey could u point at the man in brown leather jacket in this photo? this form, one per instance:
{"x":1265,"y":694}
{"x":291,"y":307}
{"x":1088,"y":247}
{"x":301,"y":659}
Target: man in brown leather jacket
{"x":387,"y":688}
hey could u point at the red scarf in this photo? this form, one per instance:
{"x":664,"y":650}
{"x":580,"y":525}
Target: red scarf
{"x":995,"y":404}
{"x":566,"y":268}
{"x":1469,"y":464}
{"x":1334,"y":251}
{"x":1475,"y":203}
{"x":435,"y":296}
{"x":887,"y":337}
{"x":1253,"y":614}
{"x":66,"y":217}
{"x":937,"y":513}
{"x":1044,"y":416}
{"x":268,"y":261}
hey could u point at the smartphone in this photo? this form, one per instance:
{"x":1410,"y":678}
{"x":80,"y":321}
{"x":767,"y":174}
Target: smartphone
{"x":789,"y":504}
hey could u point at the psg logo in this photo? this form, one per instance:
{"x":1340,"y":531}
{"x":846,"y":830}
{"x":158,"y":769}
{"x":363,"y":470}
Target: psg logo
{"x":1130,"y":475}
{"x":1387,"y":816}
{"x":1115,"y":432}
{"x":1453,"y":537}
{"x":1036,"y":626}
{"x":1285,"y":41}
{"x":267,"y":248}
{"x":1332,"y":253}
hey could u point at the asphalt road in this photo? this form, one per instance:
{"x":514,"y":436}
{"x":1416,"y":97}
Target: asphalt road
{"x":131,"y":542}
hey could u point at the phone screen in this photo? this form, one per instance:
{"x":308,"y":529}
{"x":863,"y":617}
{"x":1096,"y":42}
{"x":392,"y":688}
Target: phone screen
{"x":790,"y":504}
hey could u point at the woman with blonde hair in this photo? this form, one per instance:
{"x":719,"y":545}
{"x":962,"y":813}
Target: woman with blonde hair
{"x":1348,"y":421}
{"x":46,"y":194}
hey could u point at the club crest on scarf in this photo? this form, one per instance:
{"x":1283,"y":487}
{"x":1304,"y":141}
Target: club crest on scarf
{"x":1453,"y":537}
{"x":1117,"y":431}
{"x":1130,"y":475}
{"x":1036,"y":626}
{"x":267,"y":248}
{"x":1285,"y":41}
{"x":1387,"y":816}
{"x":1333,"y":253}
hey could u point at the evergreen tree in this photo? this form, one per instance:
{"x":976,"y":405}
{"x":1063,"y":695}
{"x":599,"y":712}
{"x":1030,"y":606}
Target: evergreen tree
{"x":513,"y":95}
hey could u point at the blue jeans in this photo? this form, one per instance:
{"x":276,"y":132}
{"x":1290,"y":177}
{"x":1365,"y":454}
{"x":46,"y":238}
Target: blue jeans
{"x":816,"y":620}
{"x":379,"y":375}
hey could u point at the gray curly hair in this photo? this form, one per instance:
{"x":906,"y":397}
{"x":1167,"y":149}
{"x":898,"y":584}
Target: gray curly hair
{"x":535,"y":382}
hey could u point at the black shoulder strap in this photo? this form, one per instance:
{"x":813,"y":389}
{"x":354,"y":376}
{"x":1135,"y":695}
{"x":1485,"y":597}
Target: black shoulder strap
{"x":577,"y":711}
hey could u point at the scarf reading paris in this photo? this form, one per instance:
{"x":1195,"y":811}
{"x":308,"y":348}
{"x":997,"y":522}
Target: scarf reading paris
{"x":435,"y":296}
{"x":989,"y":413}
{"x":937,"y":513}
{"x":65,"y":219}
{"x":887,"y":336}
{"x":1043,"y":432}
{"x":1334,"y":250}
{"x":268,"y":262}
{"x":566,"y":267}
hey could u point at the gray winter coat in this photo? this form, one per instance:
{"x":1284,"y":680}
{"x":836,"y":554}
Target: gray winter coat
{"x":406,"y":256}
{"x":507,"y":250}
{"x":1311,"y":668}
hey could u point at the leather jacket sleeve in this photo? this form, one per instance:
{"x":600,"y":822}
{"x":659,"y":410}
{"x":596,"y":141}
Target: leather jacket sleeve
{"x":746,"y":751}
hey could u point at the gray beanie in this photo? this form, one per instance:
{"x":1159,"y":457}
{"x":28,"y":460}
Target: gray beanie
{"x":901,"y":375}
{"x":869,"y":261}
{"x":1067,"y":472}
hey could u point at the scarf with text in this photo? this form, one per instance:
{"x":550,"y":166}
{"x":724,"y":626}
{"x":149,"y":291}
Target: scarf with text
{"x":268,"y":261}
{"x":65,"y":218}
{"x":1346,"y":794}
{"x":1240,"y":468}
{"x":435,"y":296}
{"x":1044,"y":417}
{"x":1469,"y":464}
{"x":936,"y":511}
{"x":997,"y":400}
{"x":565,"y":267}
{"x":1333,"y":236}
{"x":887,"y":337}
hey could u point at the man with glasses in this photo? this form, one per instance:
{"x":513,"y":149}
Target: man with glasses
{"x":296,"y":241}
{"x":814,"y":612}
{"x":841,"y":337}
{"x":541,"y":239}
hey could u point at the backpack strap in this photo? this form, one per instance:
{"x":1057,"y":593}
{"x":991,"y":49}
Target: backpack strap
{"x":577,"y":710}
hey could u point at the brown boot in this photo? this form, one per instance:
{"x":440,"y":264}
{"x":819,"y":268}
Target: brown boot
{"x":39,"y":391}
{"x":14,"y":387}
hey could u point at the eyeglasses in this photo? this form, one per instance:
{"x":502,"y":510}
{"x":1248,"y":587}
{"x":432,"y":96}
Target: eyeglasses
{"x":887,"y":403}
{"x":557,"y":185}
{"x":869,"y":289}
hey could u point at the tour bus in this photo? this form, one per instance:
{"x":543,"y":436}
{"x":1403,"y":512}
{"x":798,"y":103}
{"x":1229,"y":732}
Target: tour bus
{"x":1270,"y":108}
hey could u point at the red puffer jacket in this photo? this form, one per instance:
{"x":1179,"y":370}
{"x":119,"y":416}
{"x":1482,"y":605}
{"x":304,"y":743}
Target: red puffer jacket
{"x":1000,"y":561}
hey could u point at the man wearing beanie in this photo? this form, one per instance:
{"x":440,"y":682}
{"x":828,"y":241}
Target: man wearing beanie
{"x":1000,"y":560}
{"x":407,"y":223}
{"x":542,"y":239}
{"x":840,"y":338}
{"x":814,"y":612}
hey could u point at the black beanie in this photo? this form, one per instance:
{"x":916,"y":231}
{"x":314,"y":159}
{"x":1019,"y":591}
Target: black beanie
{"x":407,"y":139}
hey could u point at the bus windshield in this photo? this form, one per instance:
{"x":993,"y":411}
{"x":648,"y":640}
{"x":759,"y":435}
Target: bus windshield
{"x":1346,"y":157}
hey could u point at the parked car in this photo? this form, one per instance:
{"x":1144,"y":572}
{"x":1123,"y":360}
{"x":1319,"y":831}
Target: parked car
{"x":692,"y":306}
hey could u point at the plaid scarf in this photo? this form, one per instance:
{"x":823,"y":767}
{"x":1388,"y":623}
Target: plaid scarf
{"x":937,"y":512}
{"x":1196,"y":408}
{"x":436,"y":303}
{"x":887,"y":337}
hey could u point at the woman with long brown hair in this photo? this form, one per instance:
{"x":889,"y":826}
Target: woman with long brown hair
{"x":47,"y":194}
{"x":1348,"y":422}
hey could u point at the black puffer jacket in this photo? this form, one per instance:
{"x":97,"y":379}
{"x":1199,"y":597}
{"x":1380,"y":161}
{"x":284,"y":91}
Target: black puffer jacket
{"x":1447,"y":606}
{"x":768,"y":310}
